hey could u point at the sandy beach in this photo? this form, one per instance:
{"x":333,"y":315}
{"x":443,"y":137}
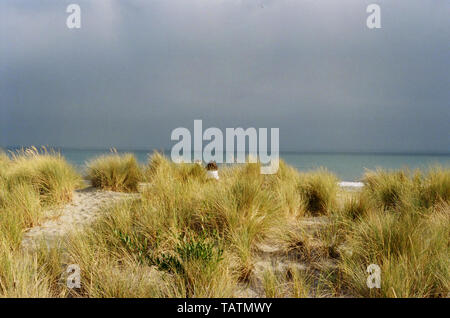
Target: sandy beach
{"x":87,"y":206}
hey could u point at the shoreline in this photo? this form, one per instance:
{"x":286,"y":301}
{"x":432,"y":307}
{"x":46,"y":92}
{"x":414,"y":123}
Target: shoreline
{"x":348,"y":167}
{"x":351,"y":185}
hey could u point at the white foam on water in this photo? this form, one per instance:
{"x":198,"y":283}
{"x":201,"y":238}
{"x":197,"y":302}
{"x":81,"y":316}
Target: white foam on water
{"x":351,"y":184}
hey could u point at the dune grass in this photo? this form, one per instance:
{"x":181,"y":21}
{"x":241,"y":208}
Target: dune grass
{"x":388,"y":189}
{"x":435,"y":187}
{"x":318,"y":190}
{"x":31,"y":180}
{"x":52,"y":178}
{"x":401,"y":222}
{"x":194,"y":237}
{"x":190,"y":236}
{"x":411,"y":247}
{"x":391,"y":189}
{"x":4,"y":163}
{"x":115,"y":172}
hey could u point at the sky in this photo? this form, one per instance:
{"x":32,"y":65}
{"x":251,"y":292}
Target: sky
{"x":136,"y":70}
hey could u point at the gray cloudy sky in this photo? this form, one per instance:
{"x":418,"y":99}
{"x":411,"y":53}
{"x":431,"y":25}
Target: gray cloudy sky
{"x":138,"y":69}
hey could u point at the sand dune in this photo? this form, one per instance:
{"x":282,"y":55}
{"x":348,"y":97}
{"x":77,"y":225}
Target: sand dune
{"x":86,"y":206}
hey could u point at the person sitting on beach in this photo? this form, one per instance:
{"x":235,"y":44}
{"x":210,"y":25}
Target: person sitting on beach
{"x":212,"y":170}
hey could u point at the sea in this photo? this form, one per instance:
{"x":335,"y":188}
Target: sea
{"x":347,"y":166}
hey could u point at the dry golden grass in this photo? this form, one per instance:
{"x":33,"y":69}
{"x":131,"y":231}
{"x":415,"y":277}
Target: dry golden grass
{"x":115,"y":172}
{"x":31,"y":180}
{"x":401,"y":222}
{"x":46,"y":171}
{"x":189,"y":236}
{"x":318,"y":190}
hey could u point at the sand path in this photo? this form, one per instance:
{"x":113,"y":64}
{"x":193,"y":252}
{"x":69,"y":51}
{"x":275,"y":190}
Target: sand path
{"x":86,"y":206}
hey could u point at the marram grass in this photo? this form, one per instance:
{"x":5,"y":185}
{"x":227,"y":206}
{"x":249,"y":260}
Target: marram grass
{"x":32,"y":180}
{"x":318,"y":190}
{"x":189,"y":236}
{"x":46,"y":171}
{"x":393,"y":189}
{"x":115,"y":172}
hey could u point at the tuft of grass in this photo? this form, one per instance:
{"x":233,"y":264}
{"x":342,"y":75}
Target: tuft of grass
{"x":396,"y":189}
{"x":293,"y":282}
{"x":159,"y":167}
{"x":388,"y":189}
{"x":285,"y":186}
{"x":31,"y":180}
{"x":318,"y":190}
{"x":115,"y":172}
{"x":272,"y":284}
{"x":20,"y":275}
{"x":46,"y":171}
{"x":4,"y":163}
{"x":411,"y":248}
{"x":435,"y":187}
{"x":355,"y":206}
{"x":302,"y":282}
{"x":23,"y":203}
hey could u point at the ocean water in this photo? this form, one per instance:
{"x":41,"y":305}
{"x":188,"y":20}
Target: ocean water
{"x":347,"y":166}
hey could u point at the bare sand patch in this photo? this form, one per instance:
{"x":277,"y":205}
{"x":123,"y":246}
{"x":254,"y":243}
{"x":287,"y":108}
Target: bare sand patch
{"x":86,"y":206}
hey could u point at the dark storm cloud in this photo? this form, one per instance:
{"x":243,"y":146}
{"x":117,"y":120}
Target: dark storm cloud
{"x":138,"y":69}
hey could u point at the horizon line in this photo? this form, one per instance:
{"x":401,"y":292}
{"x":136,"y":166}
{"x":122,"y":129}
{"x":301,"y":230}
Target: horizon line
{"x":137,"y":149}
